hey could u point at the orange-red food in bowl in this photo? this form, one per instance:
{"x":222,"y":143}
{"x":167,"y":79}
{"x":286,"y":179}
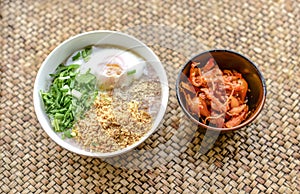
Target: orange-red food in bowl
{"x":221,"y":90}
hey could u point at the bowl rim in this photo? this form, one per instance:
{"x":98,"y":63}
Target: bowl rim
{"x":53,"y":135}
{"x":243,"y":124}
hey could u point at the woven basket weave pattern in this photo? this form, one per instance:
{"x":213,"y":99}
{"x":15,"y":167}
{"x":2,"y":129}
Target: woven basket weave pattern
{"x":263,"y":157}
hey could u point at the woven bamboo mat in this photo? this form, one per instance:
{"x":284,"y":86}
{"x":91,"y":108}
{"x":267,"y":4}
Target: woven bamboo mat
{"x":263,"y":157}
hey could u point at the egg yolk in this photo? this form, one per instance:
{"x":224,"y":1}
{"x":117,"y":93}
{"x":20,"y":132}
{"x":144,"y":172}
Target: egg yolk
{"x":112,"y":70}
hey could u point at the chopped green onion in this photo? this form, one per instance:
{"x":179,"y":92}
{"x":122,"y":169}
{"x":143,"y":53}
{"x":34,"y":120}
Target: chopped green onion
{"x":67,"y":134}
{"x":86,"y":53}
{"x":76,"y":94}
{"x":76,"y":57}
{"x":56,"y":125}
{"x":131,"y":72}
{"x":60,"y":105}
{"x":58,"y":116}
{"x":85,"y":78}
{"x":63,"y":78}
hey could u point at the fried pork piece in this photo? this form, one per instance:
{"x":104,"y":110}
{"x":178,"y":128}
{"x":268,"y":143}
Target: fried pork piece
{"x":215,"y":96}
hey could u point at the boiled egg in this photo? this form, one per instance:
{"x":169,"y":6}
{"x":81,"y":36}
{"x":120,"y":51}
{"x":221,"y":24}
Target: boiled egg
{"x":114,"y":67}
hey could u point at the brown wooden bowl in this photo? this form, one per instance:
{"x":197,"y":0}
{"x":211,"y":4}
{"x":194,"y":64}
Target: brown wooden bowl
{"x":231,"y":60}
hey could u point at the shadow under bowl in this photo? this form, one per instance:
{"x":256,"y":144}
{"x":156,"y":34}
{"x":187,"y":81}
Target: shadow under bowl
{"x":230,"y":60}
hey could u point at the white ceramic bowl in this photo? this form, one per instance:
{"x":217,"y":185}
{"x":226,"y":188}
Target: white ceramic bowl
{"x":64,"y":50}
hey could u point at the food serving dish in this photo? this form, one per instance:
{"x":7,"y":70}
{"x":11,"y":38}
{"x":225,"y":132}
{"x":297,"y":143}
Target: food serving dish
{"x":239,"y":80}
{"x":122,"y":47}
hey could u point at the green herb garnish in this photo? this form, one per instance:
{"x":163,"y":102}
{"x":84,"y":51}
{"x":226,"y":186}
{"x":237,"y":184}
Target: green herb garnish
{"x":76,"y":57}
{"x":67,"y":134}
{"x":85,"y":54}
{"x":57,"y":100}
{"x":131,"y":72}
{"x":85,"y":78}
{"x":85,"y":84}
{"x":68,"y":97}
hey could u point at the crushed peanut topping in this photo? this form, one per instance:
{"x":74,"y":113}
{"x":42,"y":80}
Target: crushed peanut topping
{"x":119,"y":118}
{"x":107,"y":119}
{"x":139,"y":115}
